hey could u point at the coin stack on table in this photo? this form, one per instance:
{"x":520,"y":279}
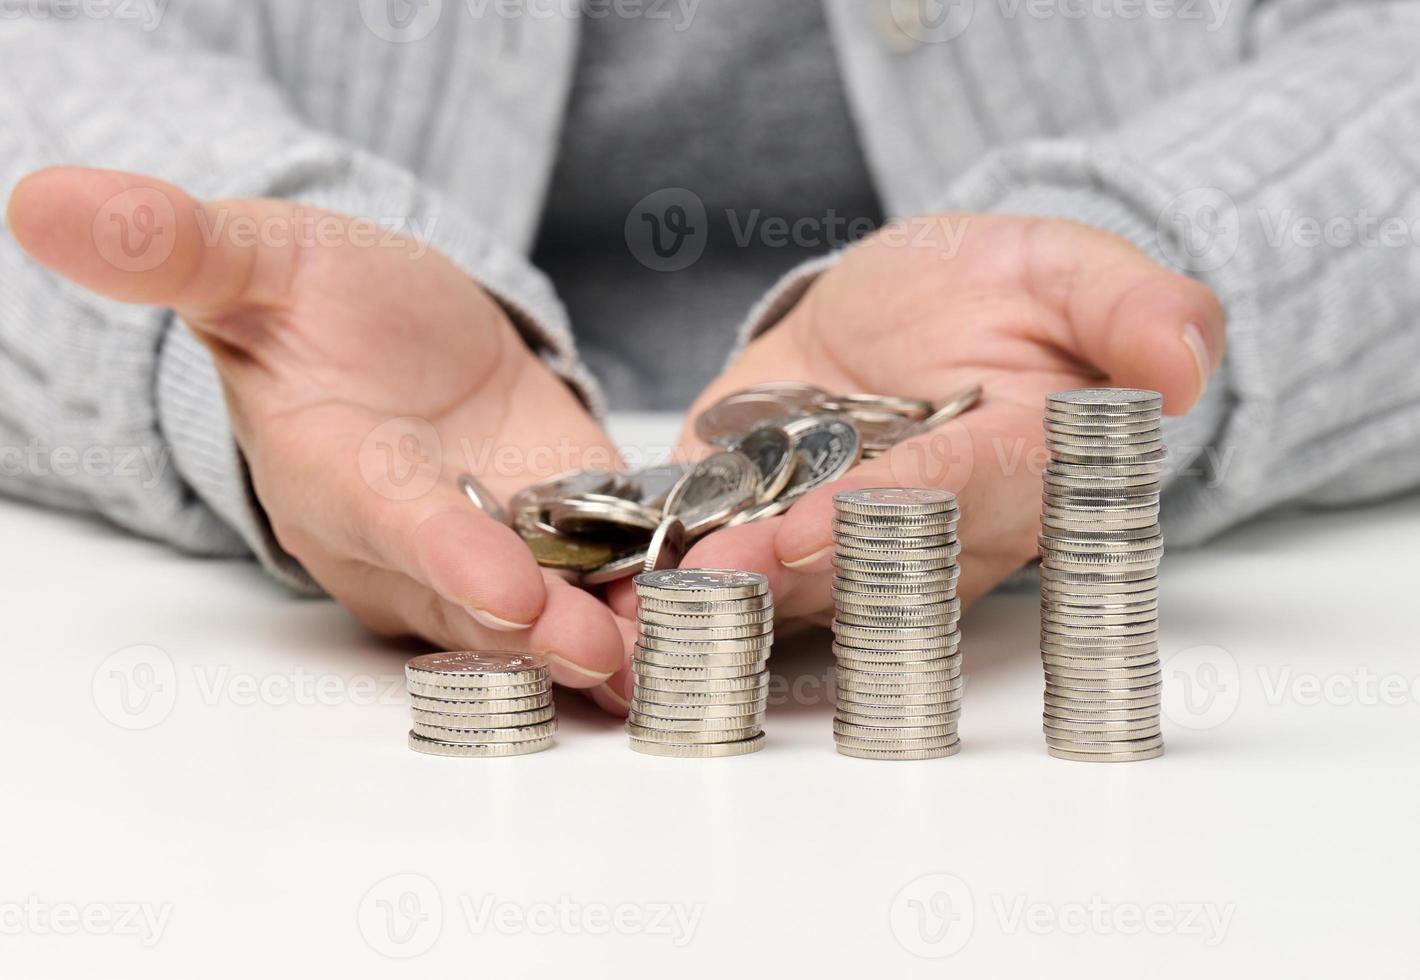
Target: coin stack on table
{"x":896,"y":639}
{"x":700,"y":663}
{"x":476,"y":705}
{"x":1100,"y":548}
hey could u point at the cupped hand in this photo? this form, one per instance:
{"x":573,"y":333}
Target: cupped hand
{"x":363,"y":374}
{"x":1022,"y":306}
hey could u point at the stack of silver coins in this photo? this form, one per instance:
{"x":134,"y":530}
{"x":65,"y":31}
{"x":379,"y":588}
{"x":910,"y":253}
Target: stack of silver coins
{"x":896,"y":640}
{"x":1100,"y":548}
{"x":700,"y":663}
{"x":476,"y":705}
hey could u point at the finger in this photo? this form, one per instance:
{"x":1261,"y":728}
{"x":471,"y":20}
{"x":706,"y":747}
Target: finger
{"x":413,"y":520}
{"x":142,"y":240}
{"x":1142,"y":325}
{"x":614,"y":695}
{"x":578,"y":637}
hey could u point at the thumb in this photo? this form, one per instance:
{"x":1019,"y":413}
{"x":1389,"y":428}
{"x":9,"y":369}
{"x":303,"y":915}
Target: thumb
{"x":142,"y":240}
{"x":1137,"y":322}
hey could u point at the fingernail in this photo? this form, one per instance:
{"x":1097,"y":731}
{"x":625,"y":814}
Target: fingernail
{"x":611,"y":695}
{"x":495,"y":623}
{"x":562,"y":664}
{"x":1202,"y":360}
{"x":814,"y":558}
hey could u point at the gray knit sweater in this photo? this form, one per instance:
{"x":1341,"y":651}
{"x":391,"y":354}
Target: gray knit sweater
{"x":1273,"y":151}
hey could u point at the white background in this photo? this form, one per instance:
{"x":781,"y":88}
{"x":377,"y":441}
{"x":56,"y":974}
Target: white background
{"x":185,"y":742}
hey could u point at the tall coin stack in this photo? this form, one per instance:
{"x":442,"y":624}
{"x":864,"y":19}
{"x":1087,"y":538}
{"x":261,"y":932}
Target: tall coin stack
{"x":1100,"y":548}
{"x":700,"y":663}
{"x":895,"y":623}
{"x":476,"y":705}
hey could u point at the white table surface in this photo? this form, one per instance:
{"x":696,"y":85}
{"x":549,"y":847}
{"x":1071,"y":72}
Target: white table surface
{"x":206,"y":778}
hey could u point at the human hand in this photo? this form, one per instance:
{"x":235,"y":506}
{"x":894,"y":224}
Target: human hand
{"x":1023,"y":307}
{"x":334,"y":354}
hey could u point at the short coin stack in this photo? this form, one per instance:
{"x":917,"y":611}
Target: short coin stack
{"x":476,"y":705}
{"x":700,"y":663}
{"x":895,"y":623}
{"x":1100,"y":548}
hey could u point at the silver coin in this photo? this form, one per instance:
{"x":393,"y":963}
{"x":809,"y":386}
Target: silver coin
{"x":595,"y":513}
{"x":761,"y":512}
{"x":825,"y":449}
{"x":682,"y":687}
{"x":772,"y":452}
{"x":625,"y":565}
{"x":937,"y":582}
{"x":481,"y":707}
{"x":430,"y":746}
{"x":727,"y":709}
{"x":701,"y":584}
{"x":1105,"y":400}
{"x":690,"y":607}
{"x":703,"y":633}
{"x":477,"y":669}
{"x":714,"y":490}
{"x":1057,"y":423}
{"x":897,"y":744}
{"x":895,"y":502}
{"x":713,"y":750}
{"x":1105,"y":748}
{"x":909,"y":557}
{"x":891,"y":546}
{"x":487,"y":736}
{"x":1097,"y":663}
{"x":890,"y":534}
{"x":723,"y":423}
{"x":895,"y":703}
{"x":698,"y":674}
{"x":1125,"y":756}
{"x":690,"y":621}
{"x":893,"y":684}
{"x":1100,"y":737}
{"x":957,"y":404}
{"x":443,"y":692}
{"x":482,"y":498}
{"x":901,"y":755}
{"x":887,"y":720}
{"x":1092,"y":718}
{"x":759,"y":643}
{"x":880,"y":431}
{"x":516,"y":719}
{"x":573,"y":483}
{"x":1148,"y":700}
{"x":719,"y":735}
{"x":749,"y":719}
{"x":667,"y":547}
{"x":914,"y":409}
{"x":660,"y":658}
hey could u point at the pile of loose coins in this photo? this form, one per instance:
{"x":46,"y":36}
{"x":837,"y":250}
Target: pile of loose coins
{"x":700,"y":663}
{"x":476,"y":705}
{"x":896,"y":640}
{"x":777,"y":442}
{"x":1100,"y":548}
